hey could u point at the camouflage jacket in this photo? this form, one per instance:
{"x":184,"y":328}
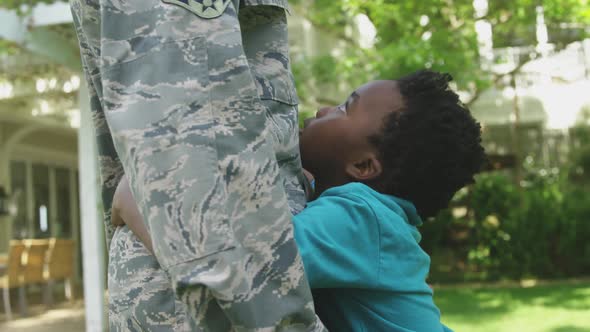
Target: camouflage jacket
{"x":201,"y":115}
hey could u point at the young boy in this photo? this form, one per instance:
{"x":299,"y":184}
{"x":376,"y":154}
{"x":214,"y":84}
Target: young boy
{"x":394,"y":153}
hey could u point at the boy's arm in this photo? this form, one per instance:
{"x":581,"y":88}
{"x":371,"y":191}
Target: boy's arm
{"x":338,"y":239}
{"x":125,"y":211}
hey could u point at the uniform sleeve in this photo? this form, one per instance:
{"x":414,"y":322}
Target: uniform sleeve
{"x":111,"y":169}
{"x":338,"y":238}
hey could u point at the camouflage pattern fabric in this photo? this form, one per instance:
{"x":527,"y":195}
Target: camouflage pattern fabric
{"x":202,"y":8}
{"x":201,"y":115}
{"x":279,"y":3}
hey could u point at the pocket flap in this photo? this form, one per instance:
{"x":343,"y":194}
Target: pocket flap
{"x":202,"y":8}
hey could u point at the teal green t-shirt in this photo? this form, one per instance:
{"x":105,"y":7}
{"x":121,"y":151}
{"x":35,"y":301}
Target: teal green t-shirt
{"x":363,"y":262}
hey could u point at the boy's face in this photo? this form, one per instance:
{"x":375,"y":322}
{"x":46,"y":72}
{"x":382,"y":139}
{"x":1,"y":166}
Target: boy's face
{"x":338,"y":136}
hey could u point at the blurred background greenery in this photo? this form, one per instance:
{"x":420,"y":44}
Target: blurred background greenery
{"x":528,"y":215}
{"x":363,"y":40}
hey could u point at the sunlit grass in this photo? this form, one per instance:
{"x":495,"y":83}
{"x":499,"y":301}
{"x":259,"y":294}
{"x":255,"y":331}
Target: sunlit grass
{"x":549,"y":308}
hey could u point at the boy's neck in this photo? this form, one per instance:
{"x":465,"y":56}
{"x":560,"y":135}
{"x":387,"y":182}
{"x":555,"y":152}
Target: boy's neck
{"x":320,"y":187}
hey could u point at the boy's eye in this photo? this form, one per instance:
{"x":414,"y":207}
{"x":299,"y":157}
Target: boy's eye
{"x":342,"y":108}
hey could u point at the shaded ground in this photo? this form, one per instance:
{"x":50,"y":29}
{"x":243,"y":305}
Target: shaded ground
{"x":61,"y":318}
{"x":562,"y":307}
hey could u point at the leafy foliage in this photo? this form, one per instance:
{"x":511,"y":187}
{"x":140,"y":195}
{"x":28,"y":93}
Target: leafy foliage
{"x":498,"y":228}
{"x":24,"y":5}
{"x":535,"y":229}
{"x":438,"y":34}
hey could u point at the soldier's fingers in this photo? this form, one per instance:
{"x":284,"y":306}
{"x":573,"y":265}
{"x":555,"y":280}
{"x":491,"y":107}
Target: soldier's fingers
{"x":308,"y":175}
{"x":116,"y":219}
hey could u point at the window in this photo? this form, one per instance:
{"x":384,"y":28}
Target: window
{"x":41,"y":211}
{"x":18,"y":176}
{"x":63,"y":206}
{"x":44,"y":199}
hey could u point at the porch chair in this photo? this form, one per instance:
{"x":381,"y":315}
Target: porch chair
{"x":60,"y":267}
{"x":11,"y":278}
{"x":33,"y":263}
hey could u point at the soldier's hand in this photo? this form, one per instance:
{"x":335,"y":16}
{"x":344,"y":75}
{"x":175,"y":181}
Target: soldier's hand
{"x":117,"y":205}
{"x":308,"y":175}
{"x":126,"y":212}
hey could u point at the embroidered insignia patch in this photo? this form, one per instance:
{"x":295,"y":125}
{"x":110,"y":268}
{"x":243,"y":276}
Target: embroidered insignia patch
{"x":202,"y":8}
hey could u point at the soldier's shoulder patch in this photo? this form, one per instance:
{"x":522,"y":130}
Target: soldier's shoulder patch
{"x":202,"y":8}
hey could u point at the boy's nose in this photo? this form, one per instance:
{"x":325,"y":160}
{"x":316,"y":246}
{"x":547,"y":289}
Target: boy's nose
{"x":323,"y":112}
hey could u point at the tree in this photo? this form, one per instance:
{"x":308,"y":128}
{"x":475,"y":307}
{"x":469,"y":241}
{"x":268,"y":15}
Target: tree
{"x":24,"y":5}
{"x":437,"y":34}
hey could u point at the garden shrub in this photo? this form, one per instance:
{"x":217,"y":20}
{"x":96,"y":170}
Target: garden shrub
{"x":538,"y":228}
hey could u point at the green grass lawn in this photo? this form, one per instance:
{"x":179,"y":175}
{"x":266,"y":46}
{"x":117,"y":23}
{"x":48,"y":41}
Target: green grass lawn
{"x":550,"y":308}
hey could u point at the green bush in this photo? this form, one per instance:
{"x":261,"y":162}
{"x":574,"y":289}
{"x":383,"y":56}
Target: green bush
{"x":538,"y":228}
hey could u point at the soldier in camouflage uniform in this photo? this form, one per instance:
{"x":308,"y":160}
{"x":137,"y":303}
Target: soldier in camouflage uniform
{"x":196,"y":104}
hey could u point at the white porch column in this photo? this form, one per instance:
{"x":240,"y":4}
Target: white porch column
{"x":93,"y":243}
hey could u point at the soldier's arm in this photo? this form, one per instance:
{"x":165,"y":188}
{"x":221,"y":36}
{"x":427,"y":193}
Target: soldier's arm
{"x":126,"y":212}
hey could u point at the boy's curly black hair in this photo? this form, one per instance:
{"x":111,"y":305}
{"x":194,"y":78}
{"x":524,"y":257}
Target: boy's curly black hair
{"x":432,"y":147}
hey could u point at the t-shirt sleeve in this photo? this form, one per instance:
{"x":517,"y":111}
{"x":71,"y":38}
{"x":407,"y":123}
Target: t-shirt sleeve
{"x":446,"y":329}
{"x":338,"y":238}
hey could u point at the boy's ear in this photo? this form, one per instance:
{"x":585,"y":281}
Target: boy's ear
{"x":367,"y":168}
